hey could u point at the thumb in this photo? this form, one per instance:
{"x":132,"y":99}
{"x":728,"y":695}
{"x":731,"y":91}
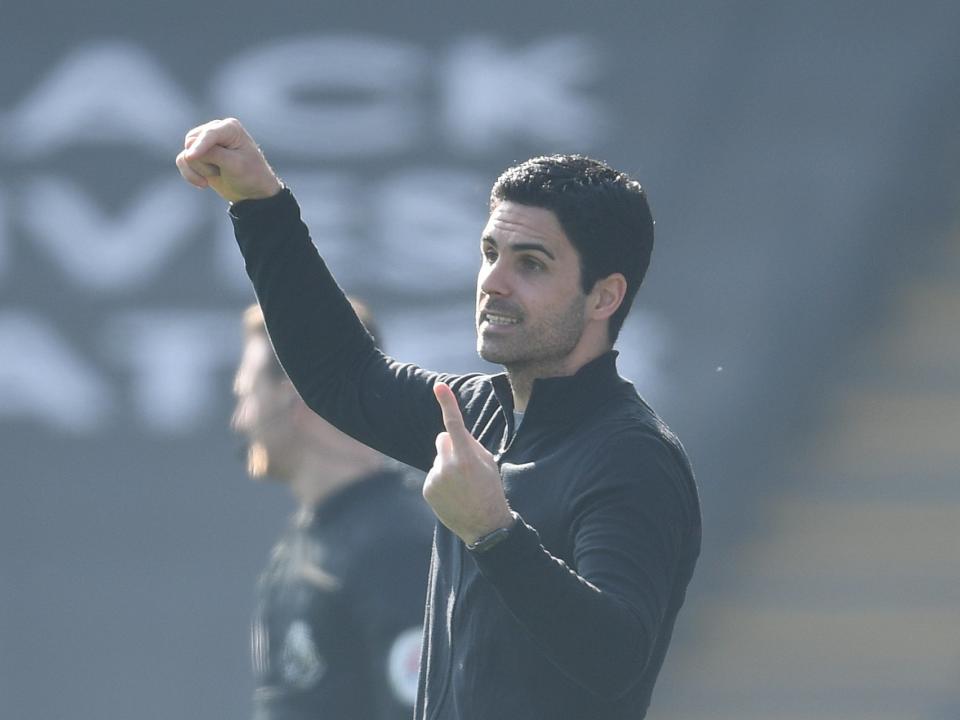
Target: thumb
{"x":214,"y":159}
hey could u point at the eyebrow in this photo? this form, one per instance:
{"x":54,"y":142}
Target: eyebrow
{"x":520,"y":247}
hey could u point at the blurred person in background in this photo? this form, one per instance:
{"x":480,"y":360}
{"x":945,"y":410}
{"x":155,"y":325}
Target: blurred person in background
{"x":339,"y":609}
{"x":569,"y":520}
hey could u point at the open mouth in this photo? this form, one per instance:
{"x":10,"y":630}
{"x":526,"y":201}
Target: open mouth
{"x":498,"y":320}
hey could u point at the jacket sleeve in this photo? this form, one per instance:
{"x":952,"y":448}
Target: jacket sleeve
{"x":322,"y":345}
{"x":634,"y":527}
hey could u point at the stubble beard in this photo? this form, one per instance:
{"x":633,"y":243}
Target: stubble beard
{"x":540,"y":350}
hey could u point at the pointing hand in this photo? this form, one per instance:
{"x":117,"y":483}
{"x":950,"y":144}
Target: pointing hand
{"x":464,"y":487}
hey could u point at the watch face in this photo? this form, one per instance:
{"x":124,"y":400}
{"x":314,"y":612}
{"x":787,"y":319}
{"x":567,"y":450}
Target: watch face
{"x":489,"y":540}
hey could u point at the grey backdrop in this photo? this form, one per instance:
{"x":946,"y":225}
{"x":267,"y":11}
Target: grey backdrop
{"x":792,"y":154}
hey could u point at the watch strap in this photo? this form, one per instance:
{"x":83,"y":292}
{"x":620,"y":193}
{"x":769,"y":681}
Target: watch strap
{"x":495,"y":537}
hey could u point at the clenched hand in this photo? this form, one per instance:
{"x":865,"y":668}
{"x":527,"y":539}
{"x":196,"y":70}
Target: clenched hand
{"x":221,"y":155}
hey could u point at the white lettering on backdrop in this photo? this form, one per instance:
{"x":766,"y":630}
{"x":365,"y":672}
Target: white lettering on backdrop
{"x":328,"y":96}
{"x":102,"y":252}
{"x":174,"y":357}
{"x":493,"y":92}
{"x":4,"y":236}
{"x":42,"y":379}
{"x":386,"y":223}
{"x":108,"y":93}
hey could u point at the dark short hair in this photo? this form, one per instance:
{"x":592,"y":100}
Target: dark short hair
{"x":603,"y":212}
{"x":254,"y":326}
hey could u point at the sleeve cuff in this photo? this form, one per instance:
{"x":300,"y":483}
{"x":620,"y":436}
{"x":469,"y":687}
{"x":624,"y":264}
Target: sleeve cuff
{"x":245,"y":209}
{"x":510,"y":555}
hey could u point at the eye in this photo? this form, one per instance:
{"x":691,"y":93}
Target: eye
{"x":531,"y":264}
{"x":489,"y":254}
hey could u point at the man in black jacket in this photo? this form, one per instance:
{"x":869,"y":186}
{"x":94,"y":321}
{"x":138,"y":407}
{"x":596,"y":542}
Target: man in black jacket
{"x":569,"y":524}
{"x":327,"y":641}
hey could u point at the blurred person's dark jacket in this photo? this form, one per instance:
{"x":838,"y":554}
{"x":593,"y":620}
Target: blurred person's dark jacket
{"x":338,"y":620}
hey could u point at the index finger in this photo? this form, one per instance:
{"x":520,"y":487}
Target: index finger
{"x":191,"y":136}
{"x":190,"y":174}
{"x":200,"y":140}
{"x":452,"y":417}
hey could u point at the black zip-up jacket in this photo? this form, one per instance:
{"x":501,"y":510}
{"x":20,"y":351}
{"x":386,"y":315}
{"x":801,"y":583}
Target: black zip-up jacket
{"x":327,"y":642}
{"x":571,"y":615}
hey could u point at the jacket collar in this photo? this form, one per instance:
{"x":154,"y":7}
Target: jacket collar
{"x":358,"y":492}
{"x":558,"y":399}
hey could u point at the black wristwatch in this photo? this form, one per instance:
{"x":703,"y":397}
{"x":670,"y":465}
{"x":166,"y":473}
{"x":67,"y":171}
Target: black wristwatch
{"x":495,"y":537}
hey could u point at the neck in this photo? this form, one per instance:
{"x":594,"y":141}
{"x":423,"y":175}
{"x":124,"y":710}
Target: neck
{"x":522,"y":375}
{"x":320,"y":476}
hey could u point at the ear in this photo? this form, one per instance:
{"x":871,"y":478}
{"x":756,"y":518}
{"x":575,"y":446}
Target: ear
{"x":606,"y":296}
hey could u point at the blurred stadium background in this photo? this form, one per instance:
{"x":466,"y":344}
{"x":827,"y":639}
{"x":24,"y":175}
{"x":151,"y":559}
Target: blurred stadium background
{"x":799,"y":328}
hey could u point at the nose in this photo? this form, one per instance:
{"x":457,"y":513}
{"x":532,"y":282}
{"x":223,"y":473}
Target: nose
{"x":493,"y":279}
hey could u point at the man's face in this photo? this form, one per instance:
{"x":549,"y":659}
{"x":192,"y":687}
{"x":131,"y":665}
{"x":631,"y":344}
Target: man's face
{"x":530,"y":306}
{"x":263,"y":412}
